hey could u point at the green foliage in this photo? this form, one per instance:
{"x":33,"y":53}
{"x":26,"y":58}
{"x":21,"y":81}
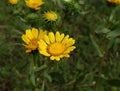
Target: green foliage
{"x":94,"y":64}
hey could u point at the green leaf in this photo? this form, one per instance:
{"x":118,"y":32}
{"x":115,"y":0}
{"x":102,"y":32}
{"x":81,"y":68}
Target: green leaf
{"x":113,"y":34}
{"x":96,"y":46}
{"x":41,"y":68}
{"x":46,"y":75}
{"x":114,"y":89}
{"x":114,"y":82}
{"x":32,"y":16}
{"x":102,"y":30}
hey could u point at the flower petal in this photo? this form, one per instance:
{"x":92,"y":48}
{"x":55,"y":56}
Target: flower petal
{"x":55,"y":58}
{"x":41,"y":34}
{"x":29,"y":34}
{"x":65,"y":39}
{"x":44,"y":53}
{"x":69,"y":49}
{"x":67,"y":55}
{"x":42,"y":45}
{"x":46,"y":39}
{"x":51,"y":37}
{"x":57,"y":37}
{"x":35,"y":33}
{"x":28,"y":50}
{"x":70,"y":42}
{"x":25,"y":39}
{"x":61,"y":37}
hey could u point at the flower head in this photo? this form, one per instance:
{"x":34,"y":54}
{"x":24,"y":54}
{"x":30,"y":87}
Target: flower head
{"x":31,"y":38}
{"x":13,"y":1}
{"x":56,"y":45}
{"x":114,"y":1}
{"x":50,"y":16}
{"x":34,"y":4}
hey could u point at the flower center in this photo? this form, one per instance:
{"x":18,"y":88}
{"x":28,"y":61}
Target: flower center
{"x":33,"y":44}
{"x":56,"y":49}
{"x":51,"y":16}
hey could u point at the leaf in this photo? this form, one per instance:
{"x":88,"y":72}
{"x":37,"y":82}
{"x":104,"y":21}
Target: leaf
{"x":41,"y":68}
{"x":114,"y":82}
{"x":32,"y":16}
{"x":102,"y":30}
{"x":113,"y":34}
{"x":46,"y":75}
{"x":96,"y":46}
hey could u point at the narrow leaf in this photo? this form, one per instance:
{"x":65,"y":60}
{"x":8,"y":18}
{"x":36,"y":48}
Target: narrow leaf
{"x":96,"y":46}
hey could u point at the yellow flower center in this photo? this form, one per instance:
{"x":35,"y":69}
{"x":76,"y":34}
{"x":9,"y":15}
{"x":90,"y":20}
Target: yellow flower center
{"x":51,"y":16}
{"x":33,"y":44}
{"x":56,"y":49}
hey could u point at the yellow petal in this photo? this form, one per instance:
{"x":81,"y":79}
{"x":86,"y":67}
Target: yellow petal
{"x":61,"y":37}
{"x":25,"y":39}
{"x":57,"y":58}
{"x":70,"y":42}
{"x":41,"y":34}
{"x":35,"y":33}
{"x":29,"y":34}
{"x":69,"y":49}
{"x":51,"y":37}
{"x":65,"y":39}
{"x":66,"y":55}
{"x":52,"y":58}
{"x":44,"y":53}
{"x":28,"y":51}
{"x":46,"y":39}
{"x":42,"y":45}
{"x":57,"y":36}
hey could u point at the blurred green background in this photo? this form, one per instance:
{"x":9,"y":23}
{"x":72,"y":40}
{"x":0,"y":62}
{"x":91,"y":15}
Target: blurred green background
{"x":93,"y":66}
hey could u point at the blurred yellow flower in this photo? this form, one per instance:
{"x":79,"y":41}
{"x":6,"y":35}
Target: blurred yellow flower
{"x":13,"y":1}
{"x":50,"y":16}
{"x":114,"y":1}
{"x":31,"y":38}
{"x":56,"y":45}
{"x":34,"y":4}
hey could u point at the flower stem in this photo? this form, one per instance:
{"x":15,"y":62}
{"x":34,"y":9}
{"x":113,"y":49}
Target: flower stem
{"x":43,"y":85}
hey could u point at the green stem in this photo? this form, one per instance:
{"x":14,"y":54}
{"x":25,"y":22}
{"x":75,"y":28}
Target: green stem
{"x":33,"y":64}
{"x":43,"y":85}
{"x":98,"y":81}
{"x":101,"y":63}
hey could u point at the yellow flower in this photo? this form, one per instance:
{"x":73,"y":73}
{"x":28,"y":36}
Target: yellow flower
{"x":13,"y":1}
{"x":34,"y":4}
{"x":51,"y":16}
{"x":31,"y":38}
{"x":114,"y":1}
{"x":56,"y":45}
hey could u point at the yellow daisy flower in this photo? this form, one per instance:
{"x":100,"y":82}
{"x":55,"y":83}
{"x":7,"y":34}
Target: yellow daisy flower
{"x":31,"y":38}
{"x":114,"y":1}
{"x":56,"y":45}
{"x":13,"y":1}
{"x":34,"y":4}
{"x":50,"y":16}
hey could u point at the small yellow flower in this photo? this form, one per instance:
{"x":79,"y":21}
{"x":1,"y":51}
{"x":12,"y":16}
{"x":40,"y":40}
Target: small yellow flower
{"x":114,"y":1}
{"x":34,"y":4}
{"x":13,"y":1}
{"x":50,"y":16}
{"x":56,"y":45}
{"x":31,"y":38}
